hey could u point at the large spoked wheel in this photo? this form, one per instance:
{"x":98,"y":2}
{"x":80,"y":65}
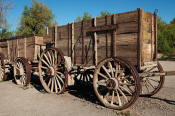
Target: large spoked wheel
{"x":84,"y":77}
{"x":2,"y":68}
{"x":22,"y":71}
{"x":152,"y":84}
{"x":116,"y":83}
{"x":52,"y":71}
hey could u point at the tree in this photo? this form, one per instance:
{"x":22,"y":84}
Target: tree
{"x":166,"y":37}
{"x":5,"y":5}
{"x":86,"y":16}
{"x":173,"y":21}
{"x":104,"y":13}
{"x":35,"y":19}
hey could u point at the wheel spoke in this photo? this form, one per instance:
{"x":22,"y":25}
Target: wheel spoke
{"x":47,"y":59}
{"x":43,"y":67}
{"x":53,"y":58}
{"x":146,"y":87}
{"x":56,"y":57}
{"x":112,"y":99}
{"x":150,"y":84}
{"x":123,"y":94}
{"x":151,"y":69}
{"x":154,"y":80}
{"x":59,"y":85}
{"x":56,"y":89}
{"x":104,"y":68}
{"x":110,"y":66}
{"x":49,"y":82}
{"x":116,"y":70}
{"x":102,"y":75}
{"x":119,"y":100}
{"x":52,"y":84}
{"x":45,"y":63}
{"x":126,"y":90}
{"x":102,"y":82}
{"x":60,"y":78}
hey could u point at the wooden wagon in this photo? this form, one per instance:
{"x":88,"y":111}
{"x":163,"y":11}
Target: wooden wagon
{"x":116,"y":53}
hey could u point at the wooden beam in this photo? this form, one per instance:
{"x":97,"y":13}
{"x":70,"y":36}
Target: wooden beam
{"x":95,"y":44}
{"x":140,"y":37}
{"x":68,"y":29}
{"x":82,"y":35}
{"x":56,"y":35}
{"x":73,"y":44}
{"x":8,"y":48}
{"x":114,"y":37}
{"x":47,"y":31}
{"x":155,"y":35}
{"x":17,"y":47}
{"x":102,"y":28}
{"x":25,"y":45}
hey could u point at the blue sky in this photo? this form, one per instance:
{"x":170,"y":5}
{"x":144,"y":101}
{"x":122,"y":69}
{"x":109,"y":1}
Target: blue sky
{"x":66,"y":11}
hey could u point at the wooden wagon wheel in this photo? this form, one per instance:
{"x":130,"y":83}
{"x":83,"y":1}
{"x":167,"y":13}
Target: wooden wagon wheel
{"x":22,"y":71}
{"x":84,"y":77}
{"x":116,"y":83}
{"x":152,"y":84}
{"x":52,"y":71}
{"x":3,"y":76}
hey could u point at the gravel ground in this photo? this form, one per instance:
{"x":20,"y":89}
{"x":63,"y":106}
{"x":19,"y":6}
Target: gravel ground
{"x":18,"y":101}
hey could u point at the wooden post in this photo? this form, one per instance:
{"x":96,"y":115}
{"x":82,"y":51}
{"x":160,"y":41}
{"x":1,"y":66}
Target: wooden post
{"x":17,"y":48}
{"x":152,"y":37}
{"x":106,"y":35}
{"x":68,"y":28}
{"x":140,"y":37}
{"x":55,"y":40}
{"x":114,"y":38}
{"x":95,"y":44}
{"x":25,"y":47}
{"x":8,"y":47}
{"x":73,"y":44}
{"x":82,"y":35}
{"x":47,"y":31}
{"x":155,"y":35}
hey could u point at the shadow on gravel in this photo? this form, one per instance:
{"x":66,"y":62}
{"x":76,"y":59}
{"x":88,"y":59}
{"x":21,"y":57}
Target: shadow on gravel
{"x":35,"y":82}
{"x":80,"y":89}
{"x":85,"y":92}
{"x":165,"y":100}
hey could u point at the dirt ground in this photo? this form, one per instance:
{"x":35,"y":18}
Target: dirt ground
{"x":18,"y":101}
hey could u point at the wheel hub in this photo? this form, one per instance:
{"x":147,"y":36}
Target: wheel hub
{"x":51,"y":71}
{"x":113,"y":84}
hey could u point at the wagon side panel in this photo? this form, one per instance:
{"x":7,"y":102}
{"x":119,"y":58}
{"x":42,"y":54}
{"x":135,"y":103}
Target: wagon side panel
{"x":30,"y":48}
{"x":4,"y":48}
{"x":61,"y":40}
{"x":148,"y":37}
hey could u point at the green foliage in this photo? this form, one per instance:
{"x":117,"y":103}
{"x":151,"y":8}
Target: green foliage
{"x":166,"y":37}
{"x":4,"y":34}
{"x":86,"y":16}
{"x":35,"y":19}
{"x":104,"y":13}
